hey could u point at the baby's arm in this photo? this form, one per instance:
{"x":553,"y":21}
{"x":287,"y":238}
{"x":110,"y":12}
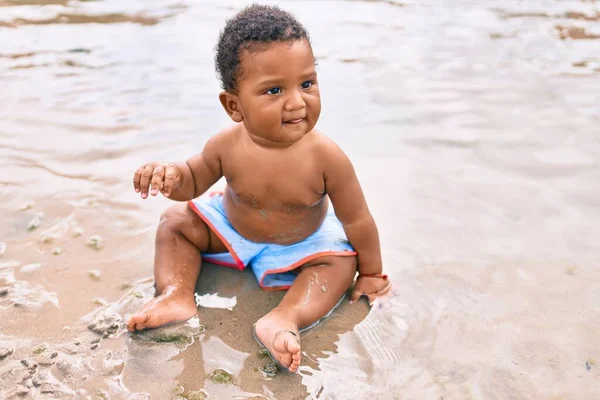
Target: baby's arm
{"x":343,"y":188}
{"x":201,"y":171}
{"x":182,"y":181}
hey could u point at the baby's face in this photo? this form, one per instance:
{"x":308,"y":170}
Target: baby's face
{"x":278,"y":92}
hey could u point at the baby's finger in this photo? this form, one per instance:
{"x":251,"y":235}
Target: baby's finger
{"x":145,"y":181}
{"x":371,"y":297}
{"x":356,"y":293}
{"x":384,"y":290}
{"x":157,"y":179}
{"x":381,"y":292}
{"x":136,"y":179}
{"x":171,"y":178}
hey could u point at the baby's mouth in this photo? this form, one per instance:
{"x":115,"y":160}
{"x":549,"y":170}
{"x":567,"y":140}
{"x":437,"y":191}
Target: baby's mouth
{"x":294,"y":121}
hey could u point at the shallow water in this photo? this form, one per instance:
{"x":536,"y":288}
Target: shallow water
{"x":472,"y":125}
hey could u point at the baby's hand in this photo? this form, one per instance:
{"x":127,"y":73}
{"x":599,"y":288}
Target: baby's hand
{"x":157,"y":176}
{"x":370,"y":286}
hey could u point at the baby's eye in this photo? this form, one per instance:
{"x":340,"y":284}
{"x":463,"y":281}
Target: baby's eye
{"x":274,"y":90}
{"x":307,"y":84}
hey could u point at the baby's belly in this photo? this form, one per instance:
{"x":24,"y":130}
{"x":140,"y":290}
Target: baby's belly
{"x":274,"y":224}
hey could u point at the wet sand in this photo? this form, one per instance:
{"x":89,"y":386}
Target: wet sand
{"x":473,"y":128}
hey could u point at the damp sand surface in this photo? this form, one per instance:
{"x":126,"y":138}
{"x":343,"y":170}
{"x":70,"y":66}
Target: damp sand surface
{"x":474,"y":130}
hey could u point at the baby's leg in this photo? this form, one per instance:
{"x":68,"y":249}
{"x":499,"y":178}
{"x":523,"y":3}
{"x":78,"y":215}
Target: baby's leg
{"x":315,"y":291}
{"x":180,"y":238}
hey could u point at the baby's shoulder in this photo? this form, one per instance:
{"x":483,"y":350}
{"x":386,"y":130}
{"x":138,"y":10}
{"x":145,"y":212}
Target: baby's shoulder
{"x":223,"y":139}
{"x":330,"y":155}
{"x":228,"y":134}
{"x":323,"y":145}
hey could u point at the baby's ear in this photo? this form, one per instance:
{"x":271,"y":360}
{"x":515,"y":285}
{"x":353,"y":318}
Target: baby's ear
{"x":231,"y":105}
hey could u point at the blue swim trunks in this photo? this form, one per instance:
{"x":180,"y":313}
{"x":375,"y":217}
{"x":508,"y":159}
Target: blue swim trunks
{"x":272,"y":264}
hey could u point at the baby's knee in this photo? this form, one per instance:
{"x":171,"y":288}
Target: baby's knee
{"x":179,"y":220}
{"x":173,"y":218}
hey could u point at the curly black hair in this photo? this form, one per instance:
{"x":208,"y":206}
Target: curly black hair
{"x":251,"y":29}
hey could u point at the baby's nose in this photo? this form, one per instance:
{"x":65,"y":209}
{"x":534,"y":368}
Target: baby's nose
{"x":294,"y":101}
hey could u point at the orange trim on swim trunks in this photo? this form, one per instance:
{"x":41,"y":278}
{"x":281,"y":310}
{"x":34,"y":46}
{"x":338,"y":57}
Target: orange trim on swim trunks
{"x":221,"y":263}
{"x":240,"y":264}
{"x":383,"y":276}
{"x":343,"y":253}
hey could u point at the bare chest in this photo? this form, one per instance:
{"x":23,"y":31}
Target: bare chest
{"x":285,"y":184}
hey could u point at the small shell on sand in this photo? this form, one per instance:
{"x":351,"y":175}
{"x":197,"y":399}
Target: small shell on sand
{"x":4,"y":352}
{"x":94,"y":274}
{"x":47,"y":238}
{"x":77,"y":232}
{"x":36,"y":221}
{"x":95,"y":242}
{"x":40,"y":349}
{"x":571,"y":270}
{"x":100,"y":301}
{"x":57,"y":251}
{"x":26,"y":206}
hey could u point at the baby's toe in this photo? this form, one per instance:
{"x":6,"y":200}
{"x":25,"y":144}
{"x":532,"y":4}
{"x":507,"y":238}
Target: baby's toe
{"x":138,"y":321}
{"x":294,"y":365}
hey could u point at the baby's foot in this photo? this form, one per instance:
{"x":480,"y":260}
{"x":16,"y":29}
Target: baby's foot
{"x":276,"y":334}
{"x":171,"y":306}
